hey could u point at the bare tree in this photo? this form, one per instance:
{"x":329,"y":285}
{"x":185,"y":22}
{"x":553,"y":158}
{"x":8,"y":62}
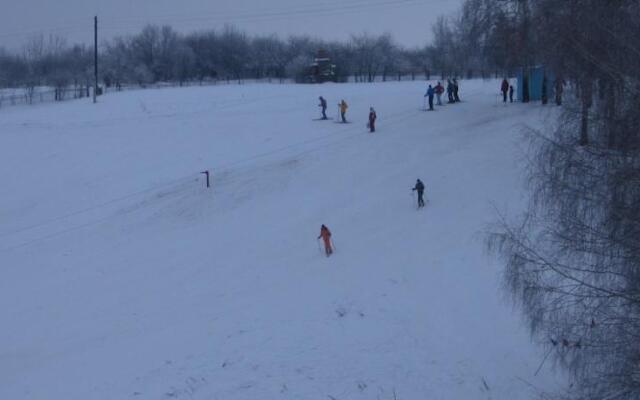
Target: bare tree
{"x":234,"y":45}
{"x":369,"y":53}
{"x":573,"y":260}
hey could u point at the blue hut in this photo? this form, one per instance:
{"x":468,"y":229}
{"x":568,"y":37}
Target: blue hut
{"x":538,"y":80}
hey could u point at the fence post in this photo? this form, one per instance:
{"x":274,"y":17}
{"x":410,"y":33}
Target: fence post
{"x":206,"y":173}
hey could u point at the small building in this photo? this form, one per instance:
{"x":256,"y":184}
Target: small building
{"x":535,"y":83}
{"x":322,"y":70}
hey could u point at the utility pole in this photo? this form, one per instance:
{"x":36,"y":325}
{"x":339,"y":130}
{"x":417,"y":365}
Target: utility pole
{"x":95,"y":57}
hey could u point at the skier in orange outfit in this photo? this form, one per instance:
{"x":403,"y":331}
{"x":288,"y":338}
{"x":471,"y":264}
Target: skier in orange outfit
{"x":325,"y":234}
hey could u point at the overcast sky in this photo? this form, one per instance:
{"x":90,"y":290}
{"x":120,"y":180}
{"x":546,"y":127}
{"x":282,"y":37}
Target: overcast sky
{"x":408,"y":20}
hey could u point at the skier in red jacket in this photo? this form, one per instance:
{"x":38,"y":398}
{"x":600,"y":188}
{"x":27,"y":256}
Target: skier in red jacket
{"x":439,"y":91}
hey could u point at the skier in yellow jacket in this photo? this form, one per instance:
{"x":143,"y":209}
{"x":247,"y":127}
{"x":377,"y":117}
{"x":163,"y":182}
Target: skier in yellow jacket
{"x":343,"y":110}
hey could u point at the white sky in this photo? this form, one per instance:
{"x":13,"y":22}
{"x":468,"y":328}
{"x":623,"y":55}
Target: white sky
{"x":408,"y":20}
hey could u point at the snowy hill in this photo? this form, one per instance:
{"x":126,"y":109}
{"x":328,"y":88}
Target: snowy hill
{"x":124,"y":277}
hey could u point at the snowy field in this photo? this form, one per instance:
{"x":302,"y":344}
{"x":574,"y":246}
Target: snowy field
{"x":123,"y":277}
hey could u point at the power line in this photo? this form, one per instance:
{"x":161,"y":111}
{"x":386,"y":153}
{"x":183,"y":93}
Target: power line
{"x":324,"y":9}
{"x":315,"y":10}
{"x":37,"y":32}
{"x":208,"y":16}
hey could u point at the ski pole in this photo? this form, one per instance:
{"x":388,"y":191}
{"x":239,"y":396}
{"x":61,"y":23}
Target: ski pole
{"x":319,"y":247}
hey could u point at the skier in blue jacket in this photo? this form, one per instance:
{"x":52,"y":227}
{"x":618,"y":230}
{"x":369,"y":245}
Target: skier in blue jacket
{"x":430,"y":93}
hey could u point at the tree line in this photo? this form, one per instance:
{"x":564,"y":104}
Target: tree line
{"x":484,"y":39}
{"x":161,"y":54}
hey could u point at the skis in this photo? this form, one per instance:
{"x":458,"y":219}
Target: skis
{"x":413,"y":201}
{"x":426,"y":201}
{"x":323,"y":119}
{"x":323,"y":252}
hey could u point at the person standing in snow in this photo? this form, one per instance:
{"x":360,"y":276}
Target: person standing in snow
{"x":450,"y":91}
{"x":430,"y":93}
{"x":323,"y":104}
{"x":343,"y":110}
{"x":511,"y":93}
{"x":439,"y":91}
{"x":372,"y":120}
{"x":559,"y":90}
{"x":504,"y":88}
{"x":455,"y":90}
{"x":419,"y":187}
{"x":325,"y":234}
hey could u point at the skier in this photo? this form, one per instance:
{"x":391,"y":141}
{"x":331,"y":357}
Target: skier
{"x":439,"y":91}
{"x":559,"y":90}
{"x":511,"y":93}
{"x":504,"y":89}
{"x":419,"y":187}
{"x":455,"y":90}
{"x":430,"y":93}
{"x":325,"y":234}
{"x":450,"y":91}
{"x":323,"y":104}
{"x":372,"y":120}
{"x":343,"y":110}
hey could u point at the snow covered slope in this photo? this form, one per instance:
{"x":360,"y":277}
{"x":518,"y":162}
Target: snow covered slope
{"x":124,"y":277}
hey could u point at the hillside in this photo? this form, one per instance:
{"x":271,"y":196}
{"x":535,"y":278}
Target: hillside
{"x":124,"y":277}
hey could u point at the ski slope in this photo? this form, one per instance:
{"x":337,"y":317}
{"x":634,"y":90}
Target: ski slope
{"x":124,"y":277}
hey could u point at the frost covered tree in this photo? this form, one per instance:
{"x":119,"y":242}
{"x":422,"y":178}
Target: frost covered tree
{"x":573,"y":260}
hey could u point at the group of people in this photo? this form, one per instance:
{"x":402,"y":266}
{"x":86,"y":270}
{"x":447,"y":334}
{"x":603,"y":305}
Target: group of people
{"x":325,"y":233}
{"x":506,"y":88}
{"x":452,"y":93}
{"x":559,"y":84}
{"x":453,"y":97}
{"x":437,"y":92}
{"x":343,"y":106}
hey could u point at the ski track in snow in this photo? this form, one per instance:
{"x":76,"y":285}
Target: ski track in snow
{"x":124,"y":277}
